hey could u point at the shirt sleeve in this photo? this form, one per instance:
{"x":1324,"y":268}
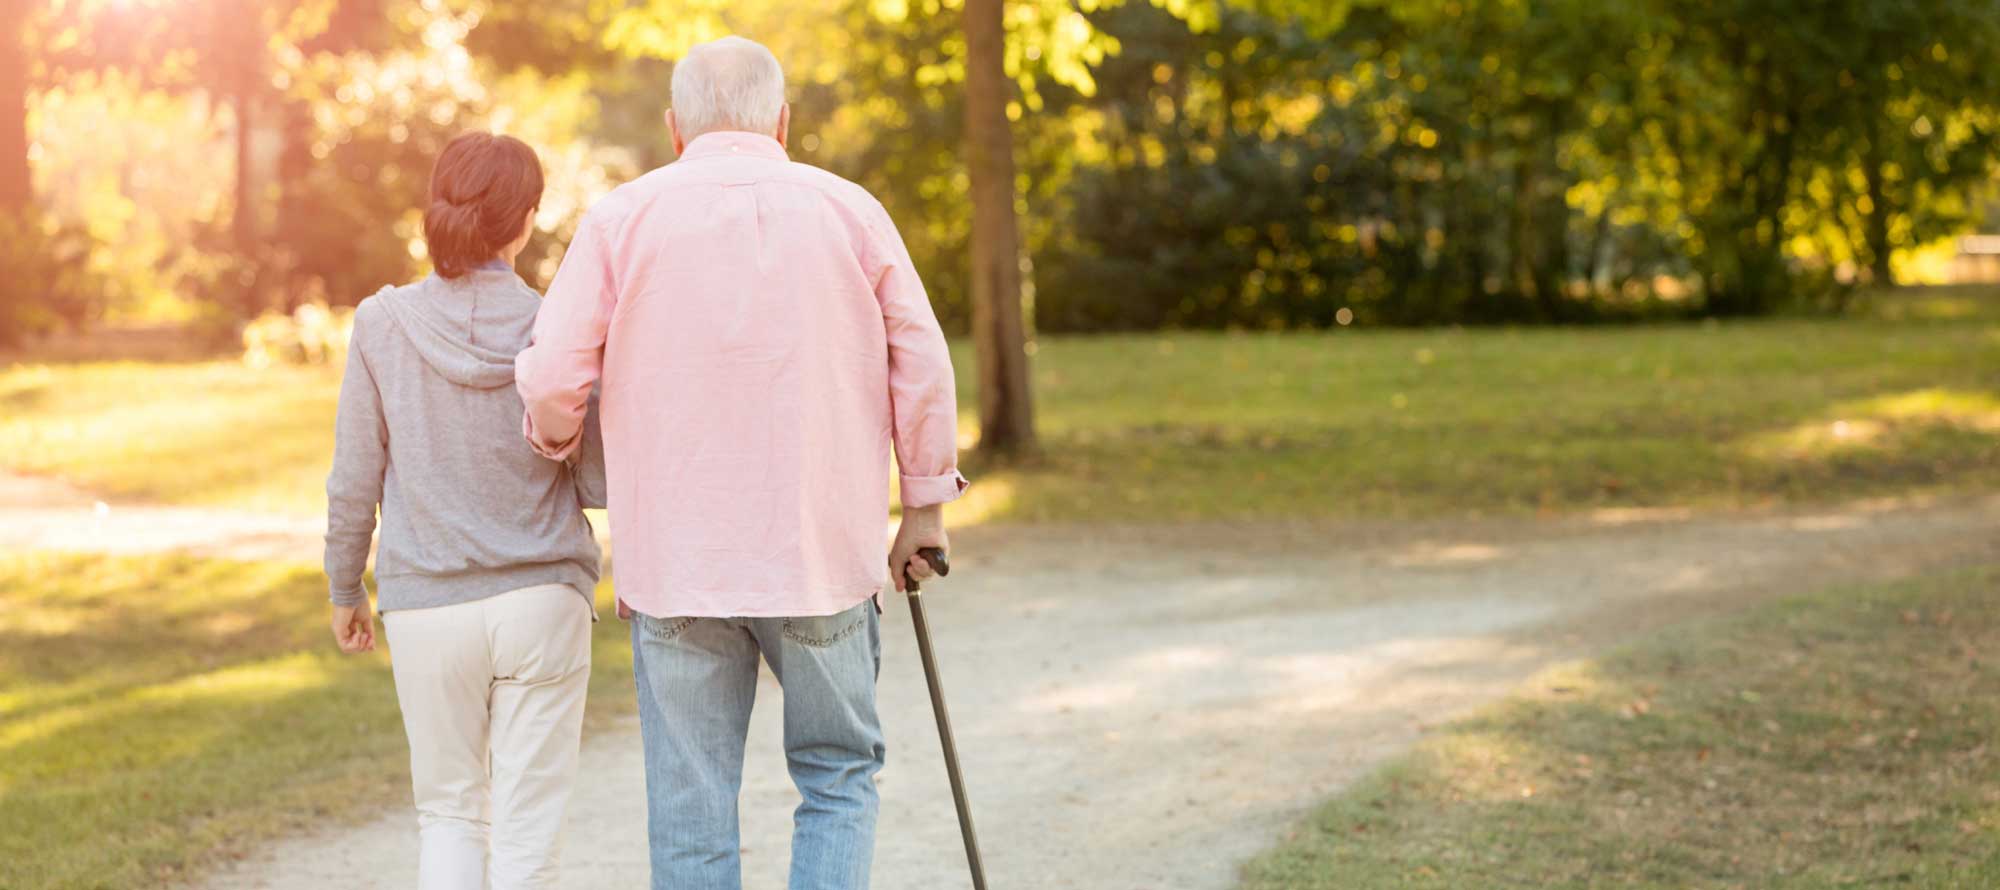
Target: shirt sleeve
{"x":354,"y":487}
{"x":923,"y":398}
{"x":565,"y":357}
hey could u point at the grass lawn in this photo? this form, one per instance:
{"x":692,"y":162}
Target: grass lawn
{"x":157,"y":713}
{"x":1905,"y":397}
{"x":1842,"y":739}
{"x":210,"y":433}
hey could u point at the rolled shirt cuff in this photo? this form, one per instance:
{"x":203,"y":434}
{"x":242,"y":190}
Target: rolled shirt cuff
{"x":927,"y":491}
{"x":347,"y":596}
{"x":560,"y":451}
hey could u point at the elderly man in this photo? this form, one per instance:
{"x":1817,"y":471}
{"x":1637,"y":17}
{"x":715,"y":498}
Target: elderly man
{"x":762,"y":340}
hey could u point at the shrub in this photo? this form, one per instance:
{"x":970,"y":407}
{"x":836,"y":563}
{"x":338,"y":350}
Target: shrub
{"x":312,"y":334}
{"x":49,"y":275}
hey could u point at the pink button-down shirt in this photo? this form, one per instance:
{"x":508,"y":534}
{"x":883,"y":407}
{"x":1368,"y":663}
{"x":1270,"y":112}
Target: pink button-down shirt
{"x":763,"y":339}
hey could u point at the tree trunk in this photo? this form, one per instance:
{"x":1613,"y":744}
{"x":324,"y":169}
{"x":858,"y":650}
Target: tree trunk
{"x":243,"y":220}
{"x":16,"y":188}
{"x":1552,"y":254}
{"x":1876,"y":225}
{"x":240,"y":57}
{"x":295,"y":261}
{"x":1520,"y":256}
{"x":1595,"y":262}
{"x":999,"y":330}
{"x":246,"y":227}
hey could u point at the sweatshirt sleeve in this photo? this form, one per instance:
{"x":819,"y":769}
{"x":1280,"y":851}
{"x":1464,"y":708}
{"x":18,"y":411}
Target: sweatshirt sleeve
{"x":588,"y":469}
{"x":923,"y":397}
{"x":354,"y":487}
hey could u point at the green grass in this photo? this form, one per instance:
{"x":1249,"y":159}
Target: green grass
{"x":1904,"y":398}
{"x":158,"y":713}
{"x":1371,"y":423}
{"x":209,"y":433}
{"x":1843,"y":739}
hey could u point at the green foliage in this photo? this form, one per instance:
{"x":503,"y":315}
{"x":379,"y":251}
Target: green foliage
{"x":1182,"y":163}
{"x":1771,"y":120}
{"x":1211,"y":204}
{"x":1484,"y":161}
{"x":51,"y":283}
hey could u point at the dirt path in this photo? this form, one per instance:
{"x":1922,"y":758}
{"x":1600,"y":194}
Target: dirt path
{"x":44,"y":514}
{"x":1143,"y":709}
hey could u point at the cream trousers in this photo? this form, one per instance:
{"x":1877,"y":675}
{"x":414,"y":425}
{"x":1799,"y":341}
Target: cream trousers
{"x":492,"y":694}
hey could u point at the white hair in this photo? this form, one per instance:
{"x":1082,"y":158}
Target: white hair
{"x":728,"y":84}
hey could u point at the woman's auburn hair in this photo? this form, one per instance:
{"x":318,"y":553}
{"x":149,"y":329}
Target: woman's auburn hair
{"x":482,"y":187}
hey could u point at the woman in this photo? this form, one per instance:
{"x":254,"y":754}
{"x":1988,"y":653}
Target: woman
{"x":486,"y":564}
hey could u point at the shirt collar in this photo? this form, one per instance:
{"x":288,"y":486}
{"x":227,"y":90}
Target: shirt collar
{"x":741,"y":142}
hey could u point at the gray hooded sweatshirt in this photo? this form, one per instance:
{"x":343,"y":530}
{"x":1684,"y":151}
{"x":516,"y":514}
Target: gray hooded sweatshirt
{"x":429,"y":429}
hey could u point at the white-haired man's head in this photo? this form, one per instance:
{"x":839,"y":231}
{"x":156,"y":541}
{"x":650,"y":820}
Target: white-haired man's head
{"x":728,"y":84}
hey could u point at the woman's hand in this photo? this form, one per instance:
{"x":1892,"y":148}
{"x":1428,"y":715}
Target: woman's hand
{"x":354,"y":628}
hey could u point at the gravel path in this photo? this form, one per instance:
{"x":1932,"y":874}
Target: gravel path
{"x":1144,"y":708}
{"x":46,"y":514}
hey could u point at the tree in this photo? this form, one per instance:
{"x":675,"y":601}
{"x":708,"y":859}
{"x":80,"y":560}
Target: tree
{"x":999,"y":329}
{"x":237,"y":44}
{"x":233,"y":41}
{"x":1919,"y":126}
{"x":257,"y":59}
{"x":16,"y":189}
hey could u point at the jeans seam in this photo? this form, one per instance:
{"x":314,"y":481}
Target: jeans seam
{"x":673,"y":627}
{"x":821,"y":642}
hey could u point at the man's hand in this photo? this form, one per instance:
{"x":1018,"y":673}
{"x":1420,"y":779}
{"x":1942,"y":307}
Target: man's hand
{"x":921,"y":527}
{"x":354,"y":628}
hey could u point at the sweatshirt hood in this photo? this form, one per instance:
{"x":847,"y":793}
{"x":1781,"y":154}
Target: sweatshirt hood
{"x":467,"y":329}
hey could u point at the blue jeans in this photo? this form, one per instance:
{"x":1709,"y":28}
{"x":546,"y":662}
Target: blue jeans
{"x":697,"y":678}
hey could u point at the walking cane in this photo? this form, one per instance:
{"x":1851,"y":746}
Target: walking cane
{"x":935,"y":557}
